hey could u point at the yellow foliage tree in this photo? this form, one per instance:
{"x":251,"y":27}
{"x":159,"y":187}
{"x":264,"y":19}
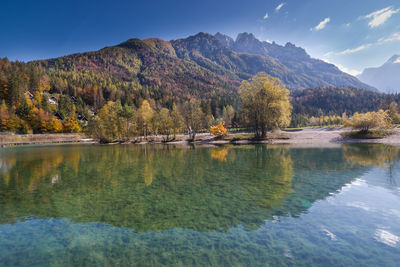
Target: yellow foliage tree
{"x":71,"y":126}
{"x":370,"y":120}
{"x":219,"y":130}
{"x":266,"y":103}
{"x":8,"y":122}
{"x":42,"y":122}
{"x":105,"y":124}
{"x":51,"y":125}
{"x":145,"y":115}
{"x":177,"y":120}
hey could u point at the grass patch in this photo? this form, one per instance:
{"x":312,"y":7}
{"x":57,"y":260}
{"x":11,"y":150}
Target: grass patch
{"x":251,"y":137}
{"x":238,"y":137}
{"x":371,"y":134}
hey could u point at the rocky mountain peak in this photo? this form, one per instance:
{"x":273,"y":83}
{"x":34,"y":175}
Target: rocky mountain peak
{"x":248,"y":43}
{"x":226,"y":40}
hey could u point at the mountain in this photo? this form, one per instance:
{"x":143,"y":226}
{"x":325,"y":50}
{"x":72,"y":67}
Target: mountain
{"x":204,"y":66}
{"x":306,"y":72}
{"x":141,"y":69}
{"x":386,"y":77}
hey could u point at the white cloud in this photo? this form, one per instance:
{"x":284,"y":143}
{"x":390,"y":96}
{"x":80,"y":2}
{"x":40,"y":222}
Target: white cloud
{"x":379,"y":17}
{"x":279,"y":6}
{"x":266,"y":15}
{"x":397,"y":60}
{"x":394,"y":37}
{"x":354,"y":50}
{"x":321,"y":25}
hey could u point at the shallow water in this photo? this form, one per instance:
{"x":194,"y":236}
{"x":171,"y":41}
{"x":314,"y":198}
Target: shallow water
{"x":229,"y":206}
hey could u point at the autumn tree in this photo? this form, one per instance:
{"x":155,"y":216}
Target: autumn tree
{"x":393,"y":113}
{"x":104,"y":126}
{"x":8,"y":122}
{"x":127,"y":116}
{"x":71,"y":125}
{"x":265,"y":103}
{"x":228,"y":112}
{"x":219,"y":130}
{"x":364,"y":122}
{"x":193,"y":117}
{"x":165,"y":124}
{"x":177,"y":120}
{"x":43,"y":122}
{"x":144,"y":118}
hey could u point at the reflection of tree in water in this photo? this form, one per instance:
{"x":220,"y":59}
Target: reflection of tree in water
{"x":371,"y":154}
{"x":147,"y":188}
{"x":163,"y":187}
{"x":219,"y":154}
{"x":376,"y":155}
{"x":26,"y":170}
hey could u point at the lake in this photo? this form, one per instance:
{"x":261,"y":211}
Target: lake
{"x":250,"y":205}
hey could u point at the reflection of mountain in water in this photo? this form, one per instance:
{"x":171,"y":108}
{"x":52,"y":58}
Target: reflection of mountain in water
{"x":152,"y":188}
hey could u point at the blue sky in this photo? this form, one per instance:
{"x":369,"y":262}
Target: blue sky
{"x":353,"y":34}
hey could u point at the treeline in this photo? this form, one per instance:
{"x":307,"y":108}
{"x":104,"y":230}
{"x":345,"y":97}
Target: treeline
{"x":338,"y":100}
{"x":327,"y":105}
{"x":25,"y":102}
{"x":115,"y":122}
{"x":70,"y":95}
{"x":36,"y":98}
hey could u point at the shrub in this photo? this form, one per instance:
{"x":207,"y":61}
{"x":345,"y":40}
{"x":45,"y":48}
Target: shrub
{"x":370,"y":120}
{"x":219,"y":130}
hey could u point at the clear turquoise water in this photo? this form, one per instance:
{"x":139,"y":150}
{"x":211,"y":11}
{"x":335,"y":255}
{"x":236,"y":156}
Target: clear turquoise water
{"x":228,"y":206}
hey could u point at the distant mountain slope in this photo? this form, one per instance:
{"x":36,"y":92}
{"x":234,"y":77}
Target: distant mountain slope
{"x":308,"y":72}
{"x":385,"y":78}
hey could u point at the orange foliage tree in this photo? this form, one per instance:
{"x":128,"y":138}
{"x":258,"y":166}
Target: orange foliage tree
{"x":219,"y":130}
{"x":71,"y":126}
{"x":8,"y":121}
{"x":42,"y":122}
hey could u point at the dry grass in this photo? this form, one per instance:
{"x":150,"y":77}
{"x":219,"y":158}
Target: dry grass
{"x":16,"y":139}
{"x":371,"y":134}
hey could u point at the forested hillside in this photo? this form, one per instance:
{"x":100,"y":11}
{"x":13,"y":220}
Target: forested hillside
{"x":331,"y":105}
{"x":337,"y":100}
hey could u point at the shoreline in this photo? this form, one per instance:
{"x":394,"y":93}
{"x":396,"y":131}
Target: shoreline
{"x":39,"y":139}
{"x":313,"y":137}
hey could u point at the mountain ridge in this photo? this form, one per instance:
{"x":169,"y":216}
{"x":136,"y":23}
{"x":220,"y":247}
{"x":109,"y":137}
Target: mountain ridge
{"x":318,"y":72}
{"x":200,"y":66}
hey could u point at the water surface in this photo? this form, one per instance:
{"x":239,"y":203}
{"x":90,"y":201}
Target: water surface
{"x":229,"y":206}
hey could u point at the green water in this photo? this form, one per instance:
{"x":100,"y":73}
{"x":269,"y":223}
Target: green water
{"x":228,"y":206}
